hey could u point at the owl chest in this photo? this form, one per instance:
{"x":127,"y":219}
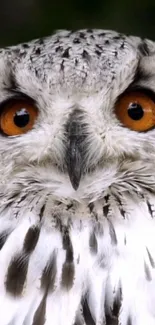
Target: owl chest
{"x":65,"y":253}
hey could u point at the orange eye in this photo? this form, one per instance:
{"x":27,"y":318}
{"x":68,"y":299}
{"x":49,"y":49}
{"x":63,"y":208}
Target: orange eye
{"x":136,"y":111}
{"x":17,"y":117}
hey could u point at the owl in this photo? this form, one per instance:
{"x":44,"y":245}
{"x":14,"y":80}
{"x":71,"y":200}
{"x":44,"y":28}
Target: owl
{"x":77,"y":180}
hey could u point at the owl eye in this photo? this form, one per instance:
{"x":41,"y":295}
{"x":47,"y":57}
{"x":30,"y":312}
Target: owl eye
{"x":136,"y":110}
{"x":17,"y":117}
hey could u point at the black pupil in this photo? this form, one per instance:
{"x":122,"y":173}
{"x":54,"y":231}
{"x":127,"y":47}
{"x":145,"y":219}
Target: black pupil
{"x":135,"y":111}
{"x":21,"y":118}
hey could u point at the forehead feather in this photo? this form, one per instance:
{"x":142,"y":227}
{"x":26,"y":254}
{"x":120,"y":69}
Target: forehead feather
{"x":85,"y":60}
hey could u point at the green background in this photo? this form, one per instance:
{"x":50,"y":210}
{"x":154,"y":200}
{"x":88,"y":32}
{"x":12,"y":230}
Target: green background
{"x":22,"y":20}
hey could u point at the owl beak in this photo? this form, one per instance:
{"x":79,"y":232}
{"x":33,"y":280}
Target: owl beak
{"x":75,"y":148}
{"x":74,"y":163}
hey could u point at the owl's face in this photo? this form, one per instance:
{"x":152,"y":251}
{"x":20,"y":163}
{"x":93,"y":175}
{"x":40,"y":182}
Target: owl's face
{"x":91,"y":100}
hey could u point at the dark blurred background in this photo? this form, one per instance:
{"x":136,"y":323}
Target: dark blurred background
{"x":22,"y":20}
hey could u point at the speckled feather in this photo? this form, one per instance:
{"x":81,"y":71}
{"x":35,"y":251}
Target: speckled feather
{"x":84,"y":256}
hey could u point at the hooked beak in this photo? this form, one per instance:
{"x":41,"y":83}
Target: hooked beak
{"x":74,"y":164}
{"x":75,"y":152}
